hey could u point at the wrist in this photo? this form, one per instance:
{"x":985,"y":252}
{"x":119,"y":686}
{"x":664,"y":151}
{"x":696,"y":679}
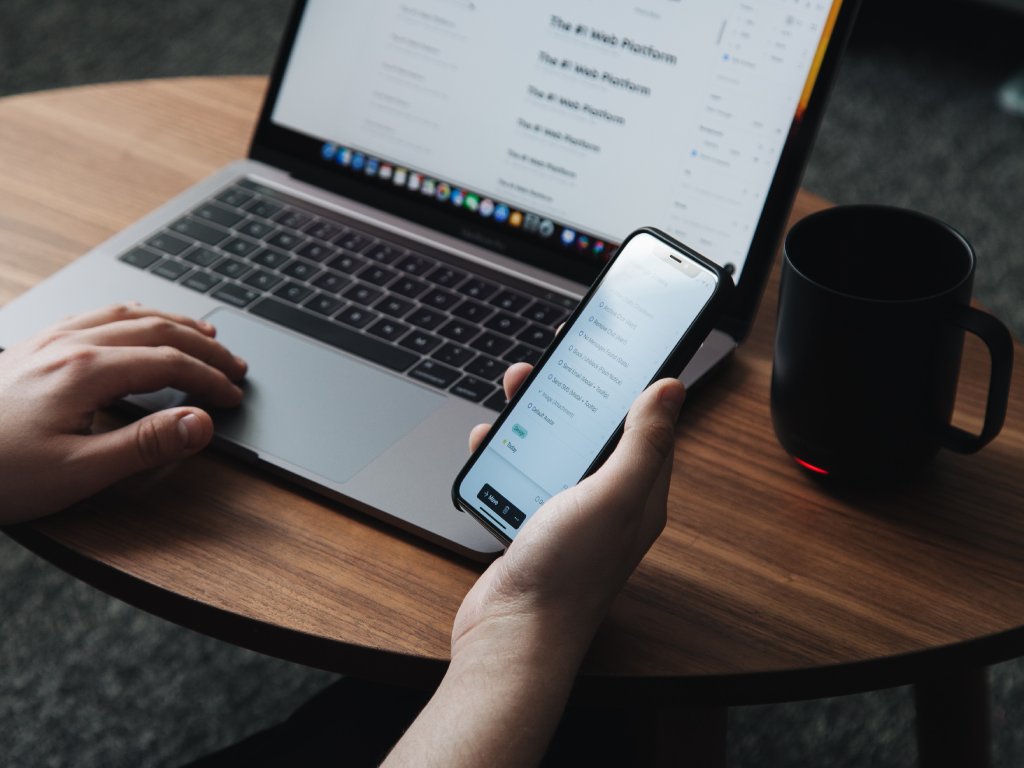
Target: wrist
{"x":517,"y":647}
{"x":499,"y":702}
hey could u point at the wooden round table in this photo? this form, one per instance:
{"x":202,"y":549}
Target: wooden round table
{"x":763,"y":587}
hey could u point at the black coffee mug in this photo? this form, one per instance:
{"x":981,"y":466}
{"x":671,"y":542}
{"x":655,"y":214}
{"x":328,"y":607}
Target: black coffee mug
{"x":873,"y":305}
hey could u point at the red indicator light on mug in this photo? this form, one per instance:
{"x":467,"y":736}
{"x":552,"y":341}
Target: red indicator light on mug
{"x":811,"y":467}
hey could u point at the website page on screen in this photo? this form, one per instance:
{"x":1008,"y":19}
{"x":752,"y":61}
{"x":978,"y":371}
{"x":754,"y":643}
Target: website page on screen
{"x":604,"y":116}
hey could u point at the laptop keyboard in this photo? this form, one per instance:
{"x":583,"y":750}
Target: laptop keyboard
{"x":347,"y":286}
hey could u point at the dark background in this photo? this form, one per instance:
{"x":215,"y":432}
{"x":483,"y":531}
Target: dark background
{"x":914,"y":121}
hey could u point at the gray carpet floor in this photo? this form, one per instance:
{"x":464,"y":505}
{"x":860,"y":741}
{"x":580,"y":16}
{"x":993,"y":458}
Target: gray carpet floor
{"x":88,"y":681}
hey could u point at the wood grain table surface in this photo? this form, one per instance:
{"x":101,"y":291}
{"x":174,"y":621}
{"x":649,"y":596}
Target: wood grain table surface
{"x":764,"y":586}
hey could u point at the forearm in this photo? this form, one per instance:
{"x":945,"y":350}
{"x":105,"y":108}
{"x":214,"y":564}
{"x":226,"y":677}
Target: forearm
{"x":498,"y":705}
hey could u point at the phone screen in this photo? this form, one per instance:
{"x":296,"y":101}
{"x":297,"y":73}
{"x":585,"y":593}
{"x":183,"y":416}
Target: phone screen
{"x":630,"y":324}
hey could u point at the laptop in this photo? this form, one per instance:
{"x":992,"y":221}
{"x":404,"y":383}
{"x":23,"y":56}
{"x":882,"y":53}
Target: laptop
{"x":431,"y":187}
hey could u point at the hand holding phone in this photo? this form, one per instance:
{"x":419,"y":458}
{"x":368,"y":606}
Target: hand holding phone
{"x":644,"y":318}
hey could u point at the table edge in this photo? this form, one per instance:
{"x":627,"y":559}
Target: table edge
{"x":415,"y":672}
{"x":227,"y":626}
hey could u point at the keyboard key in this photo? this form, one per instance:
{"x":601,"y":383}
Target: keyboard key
{"x":234,"y":197}
{"x":324,"y":304}
{"x":293,"y":292}
{"x":522,"y":354}
{"x":262,"y":280}
{"x":376,"y":274}
{"x":263,"y":209}
{"x":315,"y":251}
{"x":472,"y":388}
{"x":384,"y":253}
{"x":505,"y":323}
{"x":200,"y":281}
{"x":473,"y":311}
{"x":218,"y":215}
{"x":363,"y":294}
{"x":356,"y":316}
{"x":415,"y":264}
{"x":170,"y":269}
{"x":510,"y":301}
{"x":486,"y":368}
{"x":197,"y":230}
{"x":395,"y":332}
{"x":496,"y":402}
{"x":439,"y":298}
{"x":139,"y":257}
{"x":457,"y":330}
{"x":446,"y":277}
{"x":545,"y":314}
{"x":332,"y":282}
{"x":434,"y":374}
{"x":387,"y":329}
{"x":286,"y":241}
{"x":393,"y":305}
{"x":300,"y":270}
{"x":168,"y":243}
{"x":491,"y":343}
{"x":323,"y":230}
{"x":232,"y":268}
{"x":204,"y":257}
{"x":426,"y":318}
{"x":239,"y":246}
{"x":346,"y":262}
{"x":257,"y":228}
{"x":367,"y":347}
{"x":408,"y":286}
{"x":419,"y":341}
{"x":537,"y":335}
{"x":269,"y":259}
{"x":293,"y":219}
{"x":477,"y":288}
{"x":353,"y":241}
{"x":235,"y":295}
{"x":453,"y":354}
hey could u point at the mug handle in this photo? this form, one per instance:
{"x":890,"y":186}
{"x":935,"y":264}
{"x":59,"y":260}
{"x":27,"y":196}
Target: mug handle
{"x":1000,"y":349}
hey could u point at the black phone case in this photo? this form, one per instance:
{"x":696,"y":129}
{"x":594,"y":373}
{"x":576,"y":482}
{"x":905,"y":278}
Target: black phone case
{"x":681,"y":354}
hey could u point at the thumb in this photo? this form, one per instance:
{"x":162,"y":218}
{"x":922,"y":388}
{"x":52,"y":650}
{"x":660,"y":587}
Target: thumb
{"x":648,"y":439}
{"x":152,"y":441}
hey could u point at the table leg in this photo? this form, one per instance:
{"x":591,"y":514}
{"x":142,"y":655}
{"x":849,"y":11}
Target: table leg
{"x":640,"y":736}
{"x":953,"y":728}
{"x":694,"y":737}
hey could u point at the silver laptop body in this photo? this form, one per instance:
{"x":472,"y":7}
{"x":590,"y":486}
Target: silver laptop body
{"x":378,"y":437}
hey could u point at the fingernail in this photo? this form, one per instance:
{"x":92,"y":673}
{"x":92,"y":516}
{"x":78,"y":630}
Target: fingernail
{"x":208,"y":327}
{"x":190,"y":430}
{"x":241,"y":363}
{"x":671,"y":398}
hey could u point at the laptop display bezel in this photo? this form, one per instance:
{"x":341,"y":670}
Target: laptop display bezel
{"x":295,"y":154}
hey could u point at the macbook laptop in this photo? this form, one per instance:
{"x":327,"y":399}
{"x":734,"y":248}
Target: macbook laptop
{"x":431,"y":187}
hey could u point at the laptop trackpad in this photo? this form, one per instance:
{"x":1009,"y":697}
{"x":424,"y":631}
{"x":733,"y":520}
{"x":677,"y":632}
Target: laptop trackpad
{"x":310,"y":407}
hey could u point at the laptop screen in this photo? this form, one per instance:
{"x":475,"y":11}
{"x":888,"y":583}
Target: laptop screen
{"x":561,"y":127}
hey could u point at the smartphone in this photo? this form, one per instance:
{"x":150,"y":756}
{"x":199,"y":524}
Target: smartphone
{"x":646,"y":315}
